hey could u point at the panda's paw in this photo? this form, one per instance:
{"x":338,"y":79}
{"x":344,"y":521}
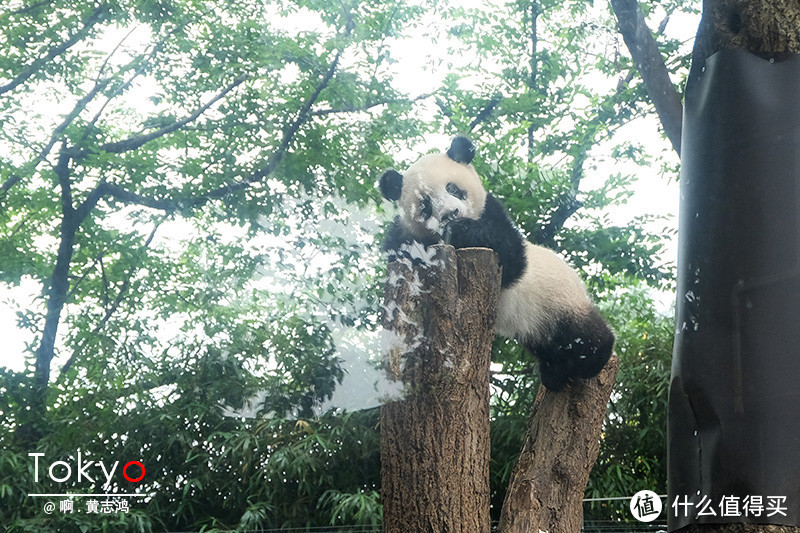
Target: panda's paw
{"x":554,"y":376}
{"x":456,"y":233}
{"x":447,"y":234}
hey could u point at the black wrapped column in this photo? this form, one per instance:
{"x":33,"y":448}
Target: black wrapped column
{"x":734,"y":419}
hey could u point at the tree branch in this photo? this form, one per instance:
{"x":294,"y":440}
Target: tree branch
{"x":567,"y":204}
{"x":294,"y":127}
{"x":54,"y":52}
{"x":143,"y":59}
{"x":482,"y":116}
{"x":8,"y":183}
{"x":289,"y":133}
{"x":115,"y":305}
{"x":83,"y":210}
{"x":547,"y":485}
{"x":169,"y":206}
{"x":486,"y":111}
{"x":77,"y":110}
{"x":650,"y":64}
{"x":128,"y":197}
{"x":367,"y":107}
{"x":134,"y":143}
{"x":25,"y":9}
{"x":80,"y":106}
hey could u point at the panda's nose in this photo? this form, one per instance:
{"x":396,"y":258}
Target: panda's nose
{"x":450,"y":215}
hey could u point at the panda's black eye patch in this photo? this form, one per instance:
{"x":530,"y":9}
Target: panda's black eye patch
{"x":456,"y":191}
{"x":426,"y":207}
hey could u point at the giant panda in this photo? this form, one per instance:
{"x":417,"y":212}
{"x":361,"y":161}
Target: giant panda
{"x":543,"y":303}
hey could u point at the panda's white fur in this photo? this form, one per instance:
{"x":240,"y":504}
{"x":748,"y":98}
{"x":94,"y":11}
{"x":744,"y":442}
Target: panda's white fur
{"x":543,"y":302}
{"x":548,"y":287}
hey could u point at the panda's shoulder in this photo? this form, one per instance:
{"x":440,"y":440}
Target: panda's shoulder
{"x":493,"y":205}
{"x":494,"y":210}
{"x":549,"y":270}
{"x":546,"y":258}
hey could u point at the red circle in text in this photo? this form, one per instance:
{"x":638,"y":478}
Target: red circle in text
{"x":125,"y":473}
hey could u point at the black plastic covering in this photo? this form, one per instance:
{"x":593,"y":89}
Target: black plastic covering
{"x":734,"y":419}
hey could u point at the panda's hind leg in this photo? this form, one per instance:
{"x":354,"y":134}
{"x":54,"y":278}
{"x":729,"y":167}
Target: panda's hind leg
{"x":597,"y":345}
{"x":555,"y":374}
{"x":578,"y":348}
{"x":555,"y":368}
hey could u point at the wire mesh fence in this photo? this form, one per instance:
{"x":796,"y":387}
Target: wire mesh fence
{"x":589,"y":526}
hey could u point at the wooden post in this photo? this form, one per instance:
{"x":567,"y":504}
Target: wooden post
{"x":563,"y":439}
{"x":438,"y":330}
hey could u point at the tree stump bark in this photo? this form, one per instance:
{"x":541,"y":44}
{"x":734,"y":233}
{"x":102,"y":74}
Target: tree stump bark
{"x":438,"y":330}
{"x":548,"y":483}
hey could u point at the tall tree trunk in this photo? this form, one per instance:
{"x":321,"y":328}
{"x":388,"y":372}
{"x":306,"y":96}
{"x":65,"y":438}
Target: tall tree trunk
{"x":439,"y":325}
{"x":547,"y":485}
{"x":742,"y":311}
{"x":33,"y":420}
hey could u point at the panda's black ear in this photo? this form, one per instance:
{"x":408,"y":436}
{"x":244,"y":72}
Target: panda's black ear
{"x":461,"y":150}
{"x":391,"y":184}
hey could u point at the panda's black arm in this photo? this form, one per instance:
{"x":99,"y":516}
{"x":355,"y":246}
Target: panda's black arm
{"x":496,"y":231}
{"x":395,"y":237}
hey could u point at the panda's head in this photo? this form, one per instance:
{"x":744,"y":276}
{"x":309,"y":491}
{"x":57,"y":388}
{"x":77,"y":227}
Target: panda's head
{"x":436,"y":189}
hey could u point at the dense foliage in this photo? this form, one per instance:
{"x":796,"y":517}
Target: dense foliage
{"x":187,"y":187}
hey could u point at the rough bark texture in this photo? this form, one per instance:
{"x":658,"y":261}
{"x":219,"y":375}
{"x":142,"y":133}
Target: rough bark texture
{"x":548,"y":483}
{"x":760,"y":26}
{"x":438,"y":322}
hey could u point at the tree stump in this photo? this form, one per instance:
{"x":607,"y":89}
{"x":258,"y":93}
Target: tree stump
{"x":563,"y":439}
{"x":438,"y":330}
